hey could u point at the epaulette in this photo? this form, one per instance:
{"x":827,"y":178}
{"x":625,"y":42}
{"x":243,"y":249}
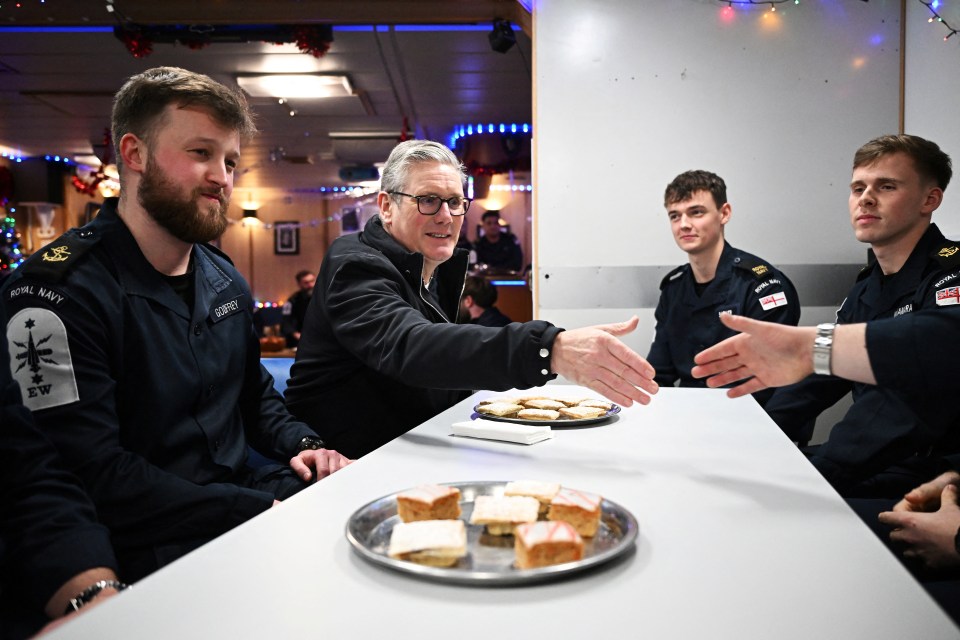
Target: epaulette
{"x":217,"y":251}
{"x":946,"y":254}
{"x":865,"y":271}
{"x":53,"y":261}
{"x":673,"y":275}
{"x":760,"y":270}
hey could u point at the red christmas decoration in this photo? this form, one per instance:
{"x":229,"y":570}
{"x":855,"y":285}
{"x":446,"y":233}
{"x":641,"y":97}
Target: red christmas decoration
{"x":310,"y":40}
{"x":136,"y":42}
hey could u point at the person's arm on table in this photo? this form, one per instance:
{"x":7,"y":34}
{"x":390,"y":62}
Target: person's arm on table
{"x":277,"y":434}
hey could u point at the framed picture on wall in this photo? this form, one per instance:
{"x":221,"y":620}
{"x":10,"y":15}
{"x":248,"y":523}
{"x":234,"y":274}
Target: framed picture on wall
{"x":286,"y":238}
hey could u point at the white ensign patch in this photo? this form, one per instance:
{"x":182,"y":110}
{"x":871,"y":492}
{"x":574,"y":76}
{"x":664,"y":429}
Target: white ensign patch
{"x":40,"y":359}
{"x":773,"y":300}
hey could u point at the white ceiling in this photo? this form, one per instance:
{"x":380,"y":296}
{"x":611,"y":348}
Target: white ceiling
{"x":56,"y":88}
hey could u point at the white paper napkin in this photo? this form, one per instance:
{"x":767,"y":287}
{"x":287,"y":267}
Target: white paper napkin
{"x":505,"y":431}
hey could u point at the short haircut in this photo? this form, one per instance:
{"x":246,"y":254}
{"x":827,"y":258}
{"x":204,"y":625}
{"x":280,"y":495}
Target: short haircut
{"x":930,"y":161}
{"x":484,"y":293}
{"x":139,"y":104}
{"x":689,"y":182}
{"x":411,"y":152}
{"x":493,"y":213}
{"x":302,"y":274}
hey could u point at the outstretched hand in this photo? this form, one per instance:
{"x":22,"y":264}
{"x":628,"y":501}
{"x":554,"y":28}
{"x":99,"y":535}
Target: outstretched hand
{"x":595,"y":358}
{"x":763,"y":354}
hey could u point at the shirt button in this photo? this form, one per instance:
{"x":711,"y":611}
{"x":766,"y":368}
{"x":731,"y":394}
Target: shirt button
{"x":544,"y":372}
{"x":544,"y":353}
{"x":196,"y":329}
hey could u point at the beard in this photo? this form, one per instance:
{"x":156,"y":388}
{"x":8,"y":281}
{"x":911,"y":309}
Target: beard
{"x":184,"y":218}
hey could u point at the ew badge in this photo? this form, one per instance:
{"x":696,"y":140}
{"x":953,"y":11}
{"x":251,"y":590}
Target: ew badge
{"x":40,"y":359}
{"x":773,"y":301}
{"x":948,"y":296}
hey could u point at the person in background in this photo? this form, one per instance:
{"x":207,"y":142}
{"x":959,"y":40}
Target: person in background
{"x":889,"y":440}
{"x":915,"y":352}
{"x":498,"y":249}
{"x":381,"y":351}
{"x":133,"y":341}
{"x":478,"y":303}
{"x":54,"y":556}
{"x":295,"y":308}
{"x":717,"y":279}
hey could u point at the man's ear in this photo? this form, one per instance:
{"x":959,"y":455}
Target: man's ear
{"x":468,"y":300}
{"x":725,"y":212}
{"x":133,"y":152}
{"x":932,"y":201}
{"x":386,"y":205}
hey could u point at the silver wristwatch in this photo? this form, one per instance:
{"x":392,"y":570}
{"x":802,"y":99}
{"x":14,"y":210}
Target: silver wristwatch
{"x":822,"y":348}
{"x":91,"y":592}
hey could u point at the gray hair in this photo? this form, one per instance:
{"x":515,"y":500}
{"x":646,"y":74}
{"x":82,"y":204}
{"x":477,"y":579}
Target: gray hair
{"x":411,"y":152}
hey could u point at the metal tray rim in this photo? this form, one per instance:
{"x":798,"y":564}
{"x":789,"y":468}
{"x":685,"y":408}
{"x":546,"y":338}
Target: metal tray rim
{"x":511,"y":577}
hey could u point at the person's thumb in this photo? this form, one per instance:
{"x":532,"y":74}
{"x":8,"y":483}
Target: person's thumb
{"x":620,"y":328}
{"x":737,"y":323}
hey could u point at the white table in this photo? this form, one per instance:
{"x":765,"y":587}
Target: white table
{"x":739,"y":538}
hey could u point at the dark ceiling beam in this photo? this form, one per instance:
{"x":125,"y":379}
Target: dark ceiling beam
{"x":85,"y":12}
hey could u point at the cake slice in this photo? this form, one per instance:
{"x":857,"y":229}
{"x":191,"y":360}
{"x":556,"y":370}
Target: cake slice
{"x":598,"y":404}
{"x":543,"y":403}
{"x":429,"y":502}
{"x":437,"y":543}
{"x":539,"y":544}
{"x":538,"y":414}
{"x":500,"y":409}
{"x":579,"y":508}
{"x":581,"y":412}
{"x":501,"y":513}
{"x":542,"y":491}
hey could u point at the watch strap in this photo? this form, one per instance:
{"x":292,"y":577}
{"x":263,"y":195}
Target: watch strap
{"x":84,"y":597}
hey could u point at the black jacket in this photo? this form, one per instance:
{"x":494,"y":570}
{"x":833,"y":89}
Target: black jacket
{"x":48,"y":526}
{"x":151,"y":404}
{"x":380,"y":354}
{"x":913,"y":428}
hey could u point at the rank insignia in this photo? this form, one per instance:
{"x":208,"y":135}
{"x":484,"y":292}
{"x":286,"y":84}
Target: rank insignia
{"x":40,"y":359}
{"x":56,"y":254}
{"x":760,"y":269}
{"x":946,"y":252}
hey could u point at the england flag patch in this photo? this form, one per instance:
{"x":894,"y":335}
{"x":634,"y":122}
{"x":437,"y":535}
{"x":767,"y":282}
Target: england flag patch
{"x":40,"y":359}
{"x":948,"y":296}
{"x":773,"y":300}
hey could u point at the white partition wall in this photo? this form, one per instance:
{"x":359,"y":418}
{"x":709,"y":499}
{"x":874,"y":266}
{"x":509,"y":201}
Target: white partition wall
{"x":932,"y":91}
{"x":628,"y":94}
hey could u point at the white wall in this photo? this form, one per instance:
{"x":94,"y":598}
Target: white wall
{"x":932,"y":93}
{"x":629,"y":94}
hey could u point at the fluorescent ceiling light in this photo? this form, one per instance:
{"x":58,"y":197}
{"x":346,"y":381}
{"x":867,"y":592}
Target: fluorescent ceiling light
{"x":295,"y":85}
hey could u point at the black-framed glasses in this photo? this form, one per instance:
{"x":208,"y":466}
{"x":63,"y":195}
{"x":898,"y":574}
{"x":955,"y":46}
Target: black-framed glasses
{"x":430,"y":205}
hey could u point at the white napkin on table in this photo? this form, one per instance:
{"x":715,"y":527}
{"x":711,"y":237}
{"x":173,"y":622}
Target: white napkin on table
{"x":505,"y":431}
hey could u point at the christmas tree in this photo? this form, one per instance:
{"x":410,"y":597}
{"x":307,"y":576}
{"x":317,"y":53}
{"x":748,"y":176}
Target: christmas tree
{"x":10,"y":253}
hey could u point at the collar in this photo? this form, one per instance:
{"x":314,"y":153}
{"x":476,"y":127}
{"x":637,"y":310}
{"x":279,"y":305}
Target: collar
{"x":410,"y":264}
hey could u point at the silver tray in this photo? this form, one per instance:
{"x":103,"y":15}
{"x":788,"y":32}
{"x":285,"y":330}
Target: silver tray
{"x":489,"y":559}
{"x":559,"y":422}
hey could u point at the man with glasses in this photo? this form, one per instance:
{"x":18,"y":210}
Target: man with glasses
{"x":380,"y":351}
